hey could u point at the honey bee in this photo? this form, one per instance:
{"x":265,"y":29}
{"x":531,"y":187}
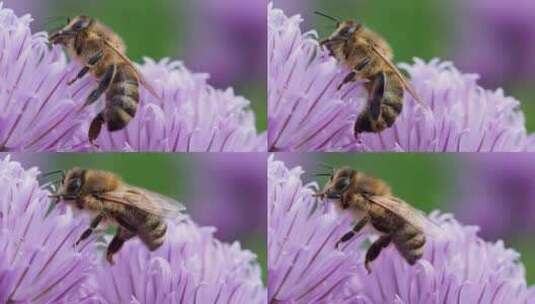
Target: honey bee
{"x":370,"y":200}
{"x":102,"y":52}
{"x":136,"y":211}
{"x":369,"y":57}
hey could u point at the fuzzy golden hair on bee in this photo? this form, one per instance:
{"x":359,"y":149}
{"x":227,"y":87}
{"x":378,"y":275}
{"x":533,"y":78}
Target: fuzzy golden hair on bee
{"x":137,"y":212}
{"x":103,"y":55}
{"x":370,"y":201}
{"x":369,"y":57}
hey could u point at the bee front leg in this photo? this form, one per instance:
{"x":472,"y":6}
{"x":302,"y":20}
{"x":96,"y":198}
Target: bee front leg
{"x":92,"y":61}
{"x":353,"y":74}
{"x":349,"y":235}
{"x":96,"y":221}
{"x":375,"y":250}
{"x":117,"y":242}
{"x":102,"y":86}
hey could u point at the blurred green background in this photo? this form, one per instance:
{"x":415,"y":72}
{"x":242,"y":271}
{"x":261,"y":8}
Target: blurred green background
{"x":427,"y":181}
{"x":434,"y":28}
{"x":164,"y":28}
{"x":173,"y":175}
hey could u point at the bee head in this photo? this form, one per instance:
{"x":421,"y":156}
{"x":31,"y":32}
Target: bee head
{"x":343,"y":33}
{"x":72,"y":183}
{"x":339,"y":183}
{"x":75,"y":26}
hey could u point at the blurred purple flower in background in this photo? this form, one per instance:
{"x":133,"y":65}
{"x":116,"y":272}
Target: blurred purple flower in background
{"x":230,"y":194}
{"x":497,"y":40}
{"x":41,"y":112}
{"x":497,"y":194}
{"x":191,"y":267}
{"x":307,"y":113}
{"x":232,"y":44}
{"x":304,"y":267}
{"x":38,"y":262}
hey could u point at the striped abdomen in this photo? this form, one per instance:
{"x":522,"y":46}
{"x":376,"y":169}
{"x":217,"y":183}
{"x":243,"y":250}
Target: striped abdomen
{"x":391,"y":104}
{"x":152,"y":232}
{"x":410,"y":242}
{"x":122,"y":98}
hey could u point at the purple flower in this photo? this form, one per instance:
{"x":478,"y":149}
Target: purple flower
{"x":497,"y":194}
{"x":38,"y":262}
{"x":303,"y":265}
{"x":192,"y":116}
{"x":230,"y":194}
{"x":306,"y":112}
{"x":39,"y":111}
{"x":497,"y":40}
{"x":191,"y":267}
{"x":457,"y":265}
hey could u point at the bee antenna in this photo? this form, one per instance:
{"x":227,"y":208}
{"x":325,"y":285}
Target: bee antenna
{"x":327,"y":165}
{"x":51,"y":173}
{"x":56,"y":17}
{"x":327,"y":16}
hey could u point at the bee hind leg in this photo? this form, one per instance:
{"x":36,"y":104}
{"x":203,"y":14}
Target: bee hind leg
{"x":375,"y":249}
{"x":349,"y":235}
{"x":95,"y":127}
{"x":117,"y":243}
{"x":376,"y":95}
{"x":102,"y":86}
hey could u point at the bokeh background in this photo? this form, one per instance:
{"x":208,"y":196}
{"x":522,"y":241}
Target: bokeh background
{"x":224,"y":190}
{"x":494,"y":38}
{"x":227,"y":39}
{"x":492,"y":190}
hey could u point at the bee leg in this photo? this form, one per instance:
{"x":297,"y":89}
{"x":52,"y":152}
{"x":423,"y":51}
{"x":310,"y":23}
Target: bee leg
{"x":349,"y":235}
{"x":92,"y":227}
{"x":81,"y":74}
{"x":95,"y":127}
{"x":102,"y":86}
{"x":117,"y":242}
{"x":349,"y":78}
{"x":376,"y":95}
{"x":375,"y":250}
{"x":353,"y":74}
{"x":92,"y":61}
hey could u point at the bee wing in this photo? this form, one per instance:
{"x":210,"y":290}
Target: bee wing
{"x":145,"y":200}
{"x":410,"y":214}
{"x":143,"y":81}
{"x":404,"y":81}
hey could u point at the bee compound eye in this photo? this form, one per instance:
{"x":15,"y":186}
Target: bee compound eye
{"x":342,"y":184}
{"x":74,"y":185}
{"x":80,"y":25}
